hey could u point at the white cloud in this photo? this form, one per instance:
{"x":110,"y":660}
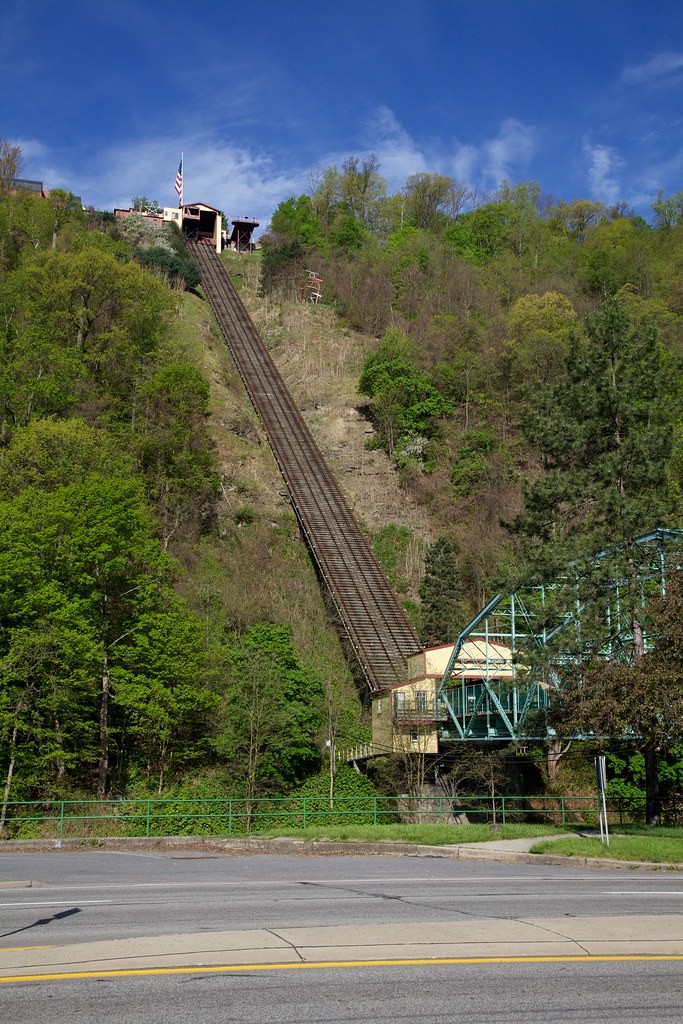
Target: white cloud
{"x":464,"y":163}
{"x":396,"y":150}
{"x":503,"y":156}
{"x":602,"y":162}
{"x":514,"y":145}
{"x":238,"y":182}
{"x":249,"y":182}
{"x":485,"y":164}
{"x":659,"y":66}
{"x":31,"y":148}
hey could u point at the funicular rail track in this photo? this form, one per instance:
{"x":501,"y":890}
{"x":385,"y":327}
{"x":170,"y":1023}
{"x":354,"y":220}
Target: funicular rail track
{"x":373,"y":618}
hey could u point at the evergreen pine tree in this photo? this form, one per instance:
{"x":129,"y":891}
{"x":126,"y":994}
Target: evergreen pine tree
{"x":440,"y":593}
{"x":604,"y":437}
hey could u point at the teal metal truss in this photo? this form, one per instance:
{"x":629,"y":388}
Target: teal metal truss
{"x":525,"y":640}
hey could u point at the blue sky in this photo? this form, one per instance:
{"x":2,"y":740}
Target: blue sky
{"x":584,"y":97}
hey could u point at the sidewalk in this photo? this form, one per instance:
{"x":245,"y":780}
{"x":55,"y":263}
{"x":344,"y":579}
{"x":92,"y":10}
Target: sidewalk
{"x":506,"y":851}
{"x":623,"y":936}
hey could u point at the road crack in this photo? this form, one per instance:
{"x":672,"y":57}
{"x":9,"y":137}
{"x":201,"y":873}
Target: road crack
{"x":291,"y":945}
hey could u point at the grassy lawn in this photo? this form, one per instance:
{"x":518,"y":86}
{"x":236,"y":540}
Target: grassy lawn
{"x":663,"y":847}
{"x":427,"y":835}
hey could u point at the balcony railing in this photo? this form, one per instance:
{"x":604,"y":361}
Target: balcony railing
{"x":420,"y":712}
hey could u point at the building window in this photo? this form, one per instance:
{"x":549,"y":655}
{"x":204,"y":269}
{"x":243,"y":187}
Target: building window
{"x":421,"y":700}
{"x":414,"y":736}
{"x":399,"y":702}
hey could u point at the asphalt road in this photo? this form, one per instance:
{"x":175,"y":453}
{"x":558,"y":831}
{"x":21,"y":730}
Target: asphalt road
{"x":103,"y":897}
{"x":78,"y":897}
{"x":647,"y":993}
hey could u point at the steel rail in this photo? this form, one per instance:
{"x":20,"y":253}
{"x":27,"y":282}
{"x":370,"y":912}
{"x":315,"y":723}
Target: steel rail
{"x":372,"y":616}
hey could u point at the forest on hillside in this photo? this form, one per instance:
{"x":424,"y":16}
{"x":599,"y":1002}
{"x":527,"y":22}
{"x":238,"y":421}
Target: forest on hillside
{"x":138,"y":653}
{"x":526,"y":382}
{"x":158,"y":633}
{"x":484,"y":308}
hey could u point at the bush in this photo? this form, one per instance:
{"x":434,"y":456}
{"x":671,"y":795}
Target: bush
{"x":173,"y":264}
{"x":353,"y":801}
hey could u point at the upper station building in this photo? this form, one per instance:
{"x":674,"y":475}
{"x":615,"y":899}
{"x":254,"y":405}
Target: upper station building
{"x":36,"y":188}
{"x":200,"y":222}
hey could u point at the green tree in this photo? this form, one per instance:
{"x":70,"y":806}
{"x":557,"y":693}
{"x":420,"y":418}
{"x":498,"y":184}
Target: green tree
{"x":617,"y":254}
{"x":442,"y":612}
{"x":77,"y":317}
{"x":362,"y":189}
{"x":282,"y":270}
{"x":144,"y":205}
{"x":577,"y":217}
{"x":405,"y":404}
{"x":11,"y":161}
{"x":88,"y":609}
{"x":479,"y":235}
{"x":272,"y":714}
{"x":430,"y":199}
{"x":177,"y":268}
{"x":643,"y":699}
{"x":668,"y":210}
{"x":604,"y":436}
{"x":295,"y":220}
{"x":163,"y":707}
{"x":174,"y":450}
{"x":539,"y":327}
{"x":48,"y":454}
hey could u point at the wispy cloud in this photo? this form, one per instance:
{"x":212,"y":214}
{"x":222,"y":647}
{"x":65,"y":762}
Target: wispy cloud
{"x":487,"y":163}
{"x":398,"y":153}
{"x":506,"y":155}
{"x":658,"y":67}
{"x":513,"y":147}
{"x":239,"y":182}
{"x":602,"y":161}
{"x":31,"y":148}
{"x":253,"y":181}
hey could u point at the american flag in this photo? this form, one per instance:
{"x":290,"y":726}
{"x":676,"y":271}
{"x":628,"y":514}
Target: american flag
{"x":179,"y":182}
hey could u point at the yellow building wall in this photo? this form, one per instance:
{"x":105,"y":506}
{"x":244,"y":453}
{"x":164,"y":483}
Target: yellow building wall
{"x":403,"y":737}
{"x":382,"y":740}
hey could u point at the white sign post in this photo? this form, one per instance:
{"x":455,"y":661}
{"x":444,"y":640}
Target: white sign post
{"x":601,"y":779}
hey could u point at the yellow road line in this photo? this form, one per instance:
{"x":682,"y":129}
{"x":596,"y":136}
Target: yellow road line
{"x":18,"y":949}
{"x":319,"y":964}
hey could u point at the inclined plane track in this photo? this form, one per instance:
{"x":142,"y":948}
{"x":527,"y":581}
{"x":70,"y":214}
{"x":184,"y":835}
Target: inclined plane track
{"x":371,"y":614}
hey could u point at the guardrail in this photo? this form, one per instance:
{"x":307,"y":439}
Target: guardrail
{"x":90,"y":819}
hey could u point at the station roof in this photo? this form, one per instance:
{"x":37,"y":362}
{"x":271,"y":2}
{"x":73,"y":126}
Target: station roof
{"x":204,"y":206}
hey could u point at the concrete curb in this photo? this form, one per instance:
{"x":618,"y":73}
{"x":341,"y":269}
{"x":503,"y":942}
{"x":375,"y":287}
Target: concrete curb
{"x":322,"y":848}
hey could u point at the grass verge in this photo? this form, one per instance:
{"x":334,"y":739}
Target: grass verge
{"x":426,"y":835}
{"x":658,"y":849}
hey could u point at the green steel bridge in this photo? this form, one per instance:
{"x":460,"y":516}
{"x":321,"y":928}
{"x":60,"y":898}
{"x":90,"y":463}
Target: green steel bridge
{"x":528,"y":637}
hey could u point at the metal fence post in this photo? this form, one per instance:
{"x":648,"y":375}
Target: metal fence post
{"x":503,"y":809}
{"x":374,"y":810}
{"x":149,"y":811}
{"x":303,"y":808}
{"x":229,"y":817}
{"x":61,"y":822}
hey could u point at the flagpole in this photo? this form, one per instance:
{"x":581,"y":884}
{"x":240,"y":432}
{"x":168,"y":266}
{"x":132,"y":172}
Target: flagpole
{"x":182,"y":164}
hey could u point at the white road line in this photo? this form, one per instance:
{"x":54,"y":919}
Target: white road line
{"x":52,"y":903}
{"x":315,"y":882}
{"x":639,"y":892}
